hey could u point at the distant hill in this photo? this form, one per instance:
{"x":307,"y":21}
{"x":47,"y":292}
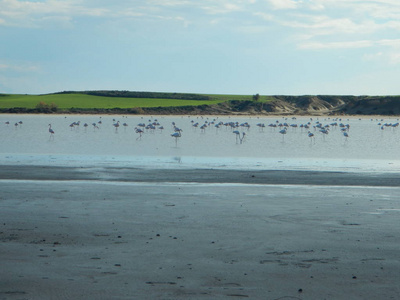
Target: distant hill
{"x":128,"y":102}
{"x":129,"y":94}
{"x":333,"y":105}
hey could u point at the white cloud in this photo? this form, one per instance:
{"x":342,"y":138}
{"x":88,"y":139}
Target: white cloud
{"x":372,"y":56}
{"x":336,"y":45}
{"x":284,"y":4}
{"x":328,"y":25}
{"x":169,"y":2}
{"x":388,"y":42}
{"x":394,"y":58}
{"x":335,"y":24}
{"x":349,"y":44}
{"x":315,"y":6}
{"x":341,"y":23}
{"x":388,"y":57}
{"x":32,"y":14}
{"x":221,"y":7}
{"x":21,"y":68}
{"x":377,"y":9}
{"x":265,"y":16}
{"x":252,"y":29}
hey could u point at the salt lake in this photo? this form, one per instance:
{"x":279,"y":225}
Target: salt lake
{"x":130,"y":219}
{"x":372,"y":144}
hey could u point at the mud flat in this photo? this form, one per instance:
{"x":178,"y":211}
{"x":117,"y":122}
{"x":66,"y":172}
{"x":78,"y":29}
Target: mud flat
{"x":73,"y":233}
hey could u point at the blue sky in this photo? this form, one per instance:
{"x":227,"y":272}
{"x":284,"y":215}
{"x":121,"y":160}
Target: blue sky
{"x":270,"y":47}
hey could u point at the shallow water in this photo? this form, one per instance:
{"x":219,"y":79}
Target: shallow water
{"x":368,"y":147}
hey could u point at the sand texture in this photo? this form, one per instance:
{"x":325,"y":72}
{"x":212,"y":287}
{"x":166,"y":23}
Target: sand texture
{"x":75,"y":233}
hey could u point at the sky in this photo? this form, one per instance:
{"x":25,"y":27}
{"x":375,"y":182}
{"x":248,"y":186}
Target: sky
{"x":269,"y":47}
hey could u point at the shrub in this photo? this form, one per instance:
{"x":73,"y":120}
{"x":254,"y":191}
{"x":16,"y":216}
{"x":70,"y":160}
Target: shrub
{"x":137,"y":110}
{"x":53,"y":107}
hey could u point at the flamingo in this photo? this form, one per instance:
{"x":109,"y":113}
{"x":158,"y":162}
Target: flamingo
{"x":140,"y":131}
{"x":203,"y":128}
{"x":261,"y":126}
{"x":242,"y":138}
{"x":311,"y":136}
{"x":237,"y":133}
{"x":283,"y":132}
{"x":177,"y":129}
{"x":324,"y":131}
{"x":176,"y":135}
{"x":51,"y":131}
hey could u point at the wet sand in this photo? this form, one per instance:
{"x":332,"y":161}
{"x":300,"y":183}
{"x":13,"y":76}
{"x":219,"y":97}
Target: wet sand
{"x":199,"y":175}
{"x":115,"y":233}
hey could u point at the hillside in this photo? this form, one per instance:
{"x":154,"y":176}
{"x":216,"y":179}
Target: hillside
{"x":125,"y":102}
{"x":295,"y":105}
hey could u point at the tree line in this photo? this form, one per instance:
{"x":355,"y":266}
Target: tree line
{"x":130,"y":94}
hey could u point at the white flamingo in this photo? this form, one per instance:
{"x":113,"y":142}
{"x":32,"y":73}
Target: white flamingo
{"x":177,"y":129}
{"x":51,"y":131}
{"x":116,"y":125}
{"x":242,"y":138}
{"x":237,"y":134}
{"x":176,"y":135}
{"x":140,"y":131}
{"x":324,"y":131}
{"x":311,"y":136}
{"x":283,"y":132}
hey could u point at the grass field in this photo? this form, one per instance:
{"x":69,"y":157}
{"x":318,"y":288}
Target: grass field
{"x":223,"y":98}
{"x":66,"y":101}
{"x":83,"y":101}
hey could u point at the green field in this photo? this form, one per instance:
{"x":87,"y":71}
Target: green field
{"x":67,"y":101}
{"x":114,"y":101}
{"x":224,"y":98}
{"x":84,"y":101}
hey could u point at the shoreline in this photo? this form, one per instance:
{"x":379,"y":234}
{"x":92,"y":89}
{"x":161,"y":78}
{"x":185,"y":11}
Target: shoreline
{"x":79,"y":234}
{"x":217,"y":115}
{"x":203,"y":175}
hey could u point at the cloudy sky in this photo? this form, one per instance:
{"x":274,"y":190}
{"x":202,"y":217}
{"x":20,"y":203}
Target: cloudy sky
{"x":290,"y":47}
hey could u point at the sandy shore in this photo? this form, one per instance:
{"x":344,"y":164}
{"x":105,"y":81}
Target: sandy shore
{"x":85,"y":233}
{"x":199,"y":175}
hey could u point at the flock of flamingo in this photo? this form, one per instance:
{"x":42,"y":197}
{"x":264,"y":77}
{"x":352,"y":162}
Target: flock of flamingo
{"x":239,"y":129}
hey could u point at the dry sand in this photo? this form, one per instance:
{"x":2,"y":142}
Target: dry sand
{"x":74,"y":233}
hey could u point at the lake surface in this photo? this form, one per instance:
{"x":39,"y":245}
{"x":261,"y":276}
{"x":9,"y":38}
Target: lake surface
{"x":143,"y":202}
{"x":372,"y":146}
